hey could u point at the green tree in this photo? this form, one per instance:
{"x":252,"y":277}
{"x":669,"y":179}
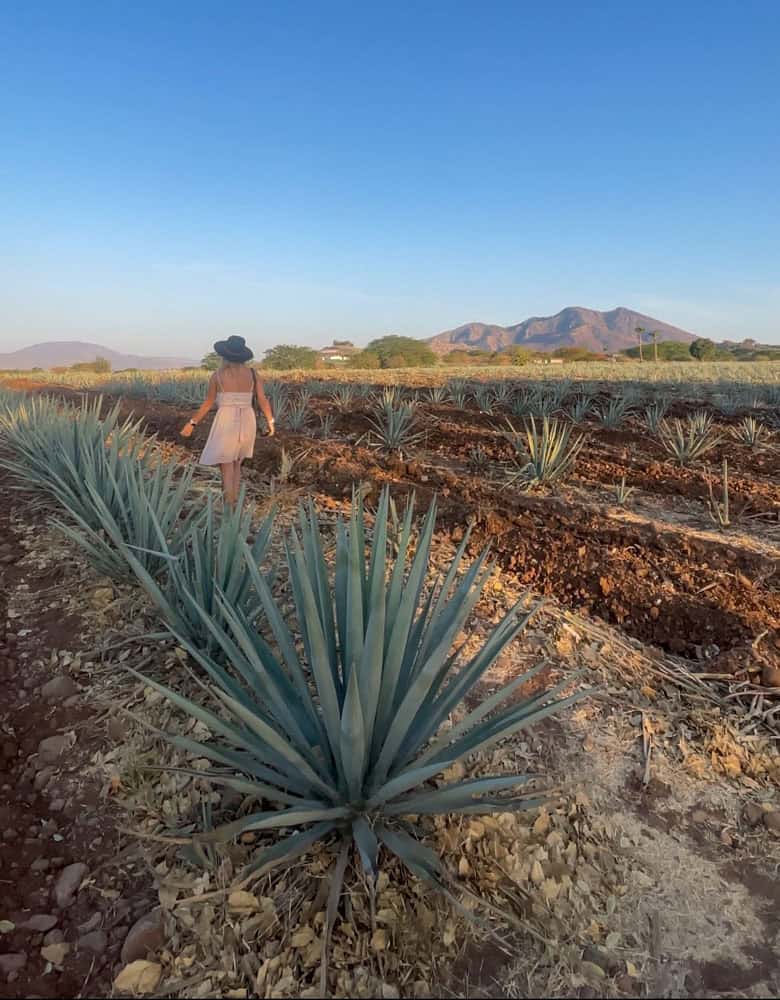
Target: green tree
{"x":668,"y":350}
{"x":703,"y":349}
{"x":100,"y":365}
{"x":414,"y":353}
{"x":285,"y":357}
{"x":519,"y":355}
{"x":365,"y":359}
{"x":212,"y":361}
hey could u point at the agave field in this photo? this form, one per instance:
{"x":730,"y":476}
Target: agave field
{"x":478,"y":692}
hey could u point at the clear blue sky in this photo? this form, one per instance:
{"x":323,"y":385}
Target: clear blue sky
{"x":171,"y":172}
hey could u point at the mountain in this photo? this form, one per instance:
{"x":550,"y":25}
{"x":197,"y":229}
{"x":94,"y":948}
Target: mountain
{"x":604,"y":332}
{"x":61,"y":353}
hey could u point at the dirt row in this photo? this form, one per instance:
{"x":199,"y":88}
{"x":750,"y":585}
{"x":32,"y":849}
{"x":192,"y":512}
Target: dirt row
{"x":71,"y":886}
{"x":708,"y":599}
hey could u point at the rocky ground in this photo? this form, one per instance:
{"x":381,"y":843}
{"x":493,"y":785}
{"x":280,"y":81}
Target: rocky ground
{"x":651,"y":873}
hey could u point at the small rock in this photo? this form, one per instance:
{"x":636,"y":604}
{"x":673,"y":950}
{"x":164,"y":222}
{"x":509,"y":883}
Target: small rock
{"x":40,"y":922}
{"x":96,"y":942}
{"x":9,"y":834}
{"x":59,"y":688}
{"x":770,"y":676}
{"x":55,"y":936}
{"x":57,"y":805}
{"x":90,"y":925}
{"x":39,"y":865}
{"x":607,"y":963}
{"x":753,"y":813}
{"x":772,"y":822}
{"x":67,"y":884}
{"x":146,"y":935}
{"x":53,"y":747}
{"x":55,"y":953}
{"x":42,"y":777}
{"x":13,"y":962}
{"x":699,"y":816}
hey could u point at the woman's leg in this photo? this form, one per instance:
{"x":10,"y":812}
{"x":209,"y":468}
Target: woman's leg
{"x":237,"y":480}
{"x":227,"y":481}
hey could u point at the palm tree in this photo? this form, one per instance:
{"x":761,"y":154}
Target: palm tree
{"x":639,"y":331}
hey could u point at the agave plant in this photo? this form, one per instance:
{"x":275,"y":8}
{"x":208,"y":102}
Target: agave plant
{"x":614,"y":412}
{"x":750,"y":432}
{"x":131,"y":509}
{"x":457,"y":392}
{"x":522,"y":404}
{"x":688,"y":442}
{"x":325,"y":430}
{"x":207,"y":565}
{"x":340,"y":738}
{"x":394,"y":428}
{"x":549,"y":452}
{"x":578,"y":409}
{"x":343,"y":395}
{"x":544,"y":404}
{"x":58,"y":449}
{"x":654,"y":415}
{"x":622,"y":492}
{"x":479,"y":461}
{"x":297,"y":416}
{"x":435,"y":394}
{"x":719,"y":509}
{"x":485,"y":398}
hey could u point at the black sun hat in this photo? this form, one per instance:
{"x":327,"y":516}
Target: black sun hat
{"x":233,"y":349}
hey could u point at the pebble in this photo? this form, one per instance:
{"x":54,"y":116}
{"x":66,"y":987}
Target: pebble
{"x":90,"y":925}
{"x":13,"y":962}
{"x":144,"y":936}
{"x":52,"y":748}
{"x":40,"y":922}
{"x":59,"y":688}
{"x":42,"y":777}
{"x":772,"y":822}
{"x":57,"y":805}
{"x":753,"y":814}
{"x":54,"y":937}
{"x":68,"y":883}
{"x":96,"y":942}
{"x":39,"y":865}
{"x":9,"y":834}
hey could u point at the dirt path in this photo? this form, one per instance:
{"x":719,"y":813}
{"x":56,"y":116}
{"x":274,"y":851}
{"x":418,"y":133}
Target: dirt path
{"x":71,"y":883}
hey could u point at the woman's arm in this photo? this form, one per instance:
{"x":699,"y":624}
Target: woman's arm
{"x":265,"y":406}
{"x":211,"y":395}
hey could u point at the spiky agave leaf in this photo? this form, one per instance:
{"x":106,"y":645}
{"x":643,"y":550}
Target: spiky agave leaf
{"x":687,"y":442}
{"x":205,"y":569}
{"x":346,"y":733}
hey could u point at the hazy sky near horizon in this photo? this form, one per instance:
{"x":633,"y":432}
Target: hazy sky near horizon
{"x":173,"y":172}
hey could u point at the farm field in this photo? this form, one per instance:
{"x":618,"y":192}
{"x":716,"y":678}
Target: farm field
{"x":651,"y":870}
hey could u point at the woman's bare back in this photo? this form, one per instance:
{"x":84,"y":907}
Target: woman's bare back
{"x":235,"y":378}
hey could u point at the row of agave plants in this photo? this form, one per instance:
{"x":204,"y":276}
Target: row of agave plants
{"x":338,"y":719}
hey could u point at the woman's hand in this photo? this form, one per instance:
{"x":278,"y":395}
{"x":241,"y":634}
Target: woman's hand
{"x":187,"y":430}
{"x":271,"y":427}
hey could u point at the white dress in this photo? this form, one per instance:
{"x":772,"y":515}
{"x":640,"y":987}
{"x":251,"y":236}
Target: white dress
{"x":232,"y":435}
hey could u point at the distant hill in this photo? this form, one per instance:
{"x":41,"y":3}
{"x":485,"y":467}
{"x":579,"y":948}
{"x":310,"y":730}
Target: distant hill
{"x":604,"y":332}
{"x":62,"y":353}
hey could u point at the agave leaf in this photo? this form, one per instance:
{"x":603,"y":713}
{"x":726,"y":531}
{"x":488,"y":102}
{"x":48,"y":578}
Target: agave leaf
{"x":308,"y":812}
{"x":287,"y":849}
{"x":368,"y":846}
{"x":453,"y":797}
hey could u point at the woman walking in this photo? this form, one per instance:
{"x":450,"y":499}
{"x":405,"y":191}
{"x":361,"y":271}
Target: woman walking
{"x":232,"y":435}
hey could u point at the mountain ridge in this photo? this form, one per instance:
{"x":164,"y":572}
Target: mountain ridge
{"x":63,"y":353}
{"x":606,"y":332}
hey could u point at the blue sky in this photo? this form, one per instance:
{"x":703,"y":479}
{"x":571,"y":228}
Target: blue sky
{"x":173,"y":172}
